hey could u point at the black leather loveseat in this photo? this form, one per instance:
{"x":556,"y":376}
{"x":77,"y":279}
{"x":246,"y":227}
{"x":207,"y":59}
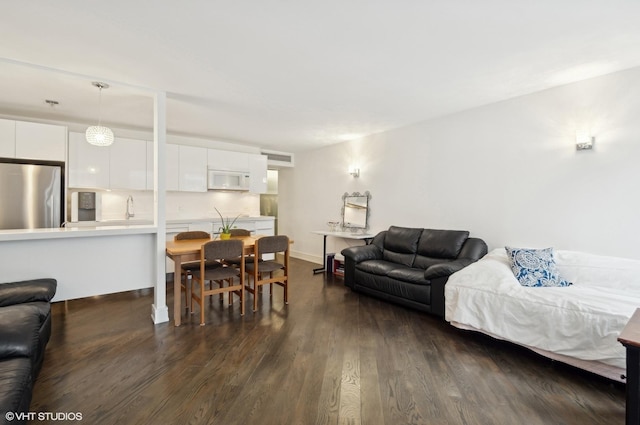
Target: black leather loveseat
{"x":411,"y":266}
{"x":25,"y":328}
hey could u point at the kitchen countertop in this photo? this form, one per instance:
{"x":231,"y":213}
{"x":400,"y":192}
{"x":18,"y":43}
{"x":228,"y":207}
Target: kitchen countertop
{"x":181,"y":220}
{"x":212,"y":219}
{"x":105,"y":228}
{"x":74,"y":232}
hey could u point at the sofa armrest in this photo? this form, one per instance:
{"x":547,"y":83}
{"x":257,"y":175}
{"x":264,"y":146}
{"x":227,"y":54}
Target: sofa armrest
{"x":362,"y":253}
{"x":27,"y":291}
{"x":446,"y":269}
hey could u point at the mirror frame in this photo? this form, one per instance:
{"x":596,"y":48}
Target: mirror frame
{"x":361,"y":195}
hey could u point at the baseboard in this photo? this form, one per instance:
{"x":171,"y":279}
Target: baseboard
{"x":307,"y":257}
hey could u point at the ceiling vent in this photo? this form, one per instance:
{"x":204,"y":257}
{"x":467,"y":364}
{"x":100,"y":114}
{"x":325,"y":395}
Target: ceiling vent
{"x":277,"y":159}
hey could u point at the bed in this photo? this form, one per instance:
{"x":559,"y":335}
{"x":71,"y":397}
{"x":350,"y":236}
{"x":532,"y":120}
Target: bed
{"x":577,"y":324}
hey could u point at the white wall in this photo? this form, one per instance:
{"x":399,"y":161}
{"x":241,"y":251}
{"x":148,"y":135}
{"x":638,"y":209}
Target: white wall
{"x":508,"y":172}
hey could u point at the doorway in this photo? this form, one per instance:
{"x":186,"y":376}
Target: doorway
{"x":269,"y":200}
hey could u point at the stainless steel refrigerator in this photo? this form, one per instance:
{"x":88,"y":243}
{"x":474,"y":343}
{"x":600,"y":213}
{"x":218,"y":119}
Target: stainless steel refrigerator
{"x":31,"y":194}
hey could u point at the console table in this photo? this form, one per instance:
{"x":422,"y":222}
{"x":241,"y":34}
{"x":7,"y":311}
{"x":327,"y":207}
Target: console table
{"x":630,"y":338}
{"x":344,"y":235}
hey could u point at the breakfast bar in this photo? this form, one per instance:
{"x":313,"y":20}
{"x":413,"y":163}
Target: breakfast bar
{"x":86,"y":261}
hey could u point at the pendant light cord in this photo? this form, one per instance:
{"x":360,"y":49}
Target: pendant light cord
{"x":100,"y":106}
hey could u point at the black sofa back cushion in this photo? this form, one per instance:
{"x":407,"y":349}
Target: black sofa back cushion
{"x":400,"y":245}
{"x":439,"y":244}
{"x":27,"y":291}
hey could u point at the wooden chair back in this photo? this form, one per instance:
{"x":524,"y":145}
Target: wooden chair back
{"x":192,"y":234}
{"x":240,"y":232}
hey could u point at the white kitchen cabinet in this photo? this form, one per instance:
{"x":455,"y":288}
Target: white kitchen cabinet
{"x":186,"y":168}
{"x":40,"y":141}
{"x":172,"y":167}
{"x":88,"y":165}
{"x":258,"y":170}
{"x":7,"y":138}
{"x":30,"y":140}
{"x":128,"y":164}
{"x":149,"y":178}
{"x":266,"y":227}
{"x":227,"y":160}
{"x":192,"y":168}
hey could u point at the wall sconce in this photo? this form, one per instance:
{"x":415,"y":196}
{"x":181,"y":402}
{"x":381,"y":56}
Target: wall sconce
{"x":584,"y":140}
{"x":355,"y":172}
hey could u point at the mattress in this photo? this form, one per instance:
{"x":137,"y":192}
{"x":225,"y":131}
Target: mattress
{"x":581,"y":321}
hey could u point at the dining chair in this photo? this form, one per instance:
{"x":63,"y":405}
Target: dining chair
{"x":257,"y":268}
{"x":236,"y":233}
{"x":188,"y":267}
{"x":214,"y":251}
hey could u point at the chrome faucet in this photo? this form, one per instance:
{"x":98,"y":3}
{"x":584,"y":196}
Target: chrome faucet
{"x":129,"y":212}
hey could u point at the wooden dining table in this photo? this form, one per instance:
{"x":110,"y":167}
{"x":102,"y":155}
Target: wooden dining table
{"x":189,"y":250}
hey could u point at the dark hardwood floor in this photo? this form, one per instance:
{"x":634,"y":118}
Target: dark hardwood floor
{"x":329,"y":357}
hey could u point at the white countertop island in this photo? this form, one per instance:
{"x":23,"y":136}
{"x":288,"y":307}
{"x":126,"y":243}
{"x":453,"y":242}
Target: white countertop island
{"x":86,"y":261}
{"x":75,"y":232}
{"x":97,"y":258}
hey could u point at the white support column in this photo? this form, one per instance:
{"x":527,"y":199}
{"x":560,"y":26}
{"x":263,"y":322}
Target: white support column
{"x":159,"y":309}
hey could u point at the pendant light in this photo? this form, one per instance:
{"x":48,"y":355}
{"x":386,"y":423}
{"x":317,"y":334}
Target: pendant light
{"x":98,"y":135}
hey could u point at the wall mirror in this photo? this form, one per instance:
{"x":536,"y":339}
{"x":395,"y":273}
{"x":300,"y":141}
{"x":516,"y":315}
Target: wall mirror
{"x":355,"y":211}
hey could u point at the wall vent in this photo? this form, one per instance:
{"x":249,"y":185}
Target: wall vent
{"x":277,"y":159}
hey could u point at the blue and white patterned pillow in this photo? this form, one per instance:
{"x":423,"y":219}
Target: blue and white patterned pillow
{"x":535,"y":267}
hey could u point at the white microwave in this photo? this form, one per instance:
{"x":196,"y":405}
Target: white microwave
{"x":227,"y":180}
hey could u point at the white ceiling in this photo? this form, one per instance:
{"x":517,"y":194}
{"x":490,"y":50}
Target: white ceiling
{"x":295,"y":75}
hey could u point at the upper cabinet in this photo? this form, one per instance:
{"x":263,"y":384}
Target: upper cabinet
{"x":41,"y":141}
{"x":30,"y":140}
{"x":150,"y":148}
{"x":186,"y":168}
{"x":123,"y":165}
{"x":88,"y":165}
{"x":173,"y":167}
{"x":7,"y":138}
{"x":255,"y":164}
{"x":227,"y":160}
{"x":192,"y":168}
{"x":258,"y":170}
{"x":128,"y":164}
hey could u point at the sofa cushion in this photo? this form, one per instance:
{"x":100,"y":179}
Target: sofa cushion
{"x":19,"y":330}
{"x":400,"y":245}
{"x":27,"y":291}
{"x":441,"y":243}
{"x":378,"y":267}
{"x":405,"y":274}
{"x":16,"y":385}
{"x":384,"y":285}
{"x":425,"y":262}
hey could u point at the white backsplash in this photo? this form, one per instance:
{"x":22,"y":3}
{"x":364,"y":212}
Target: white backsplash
{"x":181,"y":205}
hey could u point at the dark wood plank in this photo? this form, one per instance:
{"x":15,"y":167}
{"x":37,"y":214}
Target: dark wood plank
{"x":331,"y":356}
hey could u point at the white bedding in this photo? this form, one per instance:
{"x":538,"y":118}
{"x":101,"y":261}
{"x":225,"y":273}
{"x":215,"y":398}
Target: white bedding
{"x":582,"y":321}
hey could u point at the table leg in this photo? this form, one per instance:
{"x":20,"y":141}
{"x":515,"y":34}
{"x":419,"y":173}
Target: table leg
{"x":324,"y":257}
{"x":177,"y":298}
{"x":633,"y":386}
